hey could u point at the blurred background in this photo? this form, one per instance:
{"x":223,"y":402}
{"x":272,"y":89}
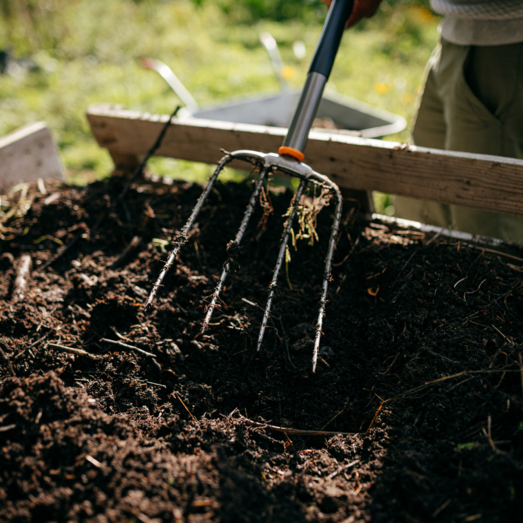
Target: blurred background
{"x":59,"y":56}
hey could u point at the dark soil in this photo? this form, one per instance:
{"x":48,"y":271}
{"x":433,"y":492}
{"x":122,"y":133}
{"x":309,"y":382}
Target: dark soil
{"x":415,"y":412}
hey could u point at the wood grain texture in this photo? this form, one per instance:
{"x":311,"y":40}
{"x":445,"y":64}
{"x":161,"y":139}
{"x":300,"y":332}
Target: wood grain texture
{"x":486,"y":182}
{"x":27,"y":155}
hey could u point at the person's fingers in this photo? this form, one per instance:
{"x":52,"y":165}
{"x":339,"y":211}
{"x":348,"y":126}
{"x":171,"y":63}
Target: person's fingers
{"x":362,"y":9}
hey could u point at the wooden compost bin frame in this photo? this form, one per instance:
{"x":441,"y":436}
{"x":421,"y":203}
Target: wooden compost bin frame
{"x":491,"y":183}
{"x":28,"y":154}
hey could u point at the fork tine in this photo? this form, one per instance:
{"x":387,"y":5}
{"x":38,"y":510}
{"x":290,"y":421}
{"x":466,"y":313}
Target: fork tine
{"x":235,"y":243}
{"x":326,"y":276}
{"x":279,"y":260}
{"x":184,"y":233}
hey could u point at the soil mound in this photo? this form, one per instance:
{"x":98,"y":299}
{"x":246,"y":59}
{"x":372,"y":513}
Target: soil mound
{"x":415,"y":412}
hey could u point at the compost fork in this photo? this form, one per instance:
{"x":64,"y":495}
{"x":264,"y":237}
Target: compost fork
{"x":288,"y":161}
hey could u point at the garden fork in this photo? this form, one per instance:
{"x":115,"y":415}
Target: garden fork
{"x":288,"y":161}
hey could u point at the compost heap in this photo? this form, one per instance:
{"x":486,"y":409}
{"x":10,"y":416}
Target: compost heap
{"x":415,"y":412}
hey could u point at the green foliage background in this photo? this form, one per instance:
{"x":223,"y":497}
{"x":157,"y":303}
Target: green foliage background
{"x":88,"y":51}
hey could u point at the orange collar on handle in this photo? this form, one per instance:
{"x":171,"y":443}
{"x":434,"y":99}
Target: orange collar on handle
{"x":290,"y":151}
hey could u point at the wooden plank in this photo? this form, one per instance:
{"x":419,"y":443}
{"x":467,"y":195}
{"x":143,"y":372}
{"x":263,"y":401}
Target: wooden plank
{"x":27,"y":155}
{"x":486,"y":182}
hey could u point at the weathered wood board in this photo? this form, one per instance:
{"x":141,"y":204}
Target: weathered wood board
{"x":28,"y":154}
{"x":487,"y":182}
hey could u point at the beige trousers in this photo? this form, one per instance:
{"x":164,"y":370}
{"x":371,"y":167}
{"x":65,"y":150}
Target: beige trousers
{"x":472,"y":102}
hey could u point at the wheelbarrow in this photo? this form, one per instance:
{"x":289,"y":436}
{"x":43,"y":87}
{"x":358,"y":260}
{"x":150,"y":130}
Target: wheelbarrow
{"x":339,"y":111}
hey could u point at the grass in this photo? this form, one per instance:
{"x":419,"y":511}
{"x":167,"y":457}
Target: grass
{"x":87,"y":51}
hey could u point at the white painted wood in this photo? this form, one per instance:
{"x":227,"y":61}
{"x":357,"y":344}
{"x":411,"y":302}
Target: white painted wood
{"x":28,"y":154}
{"x":486,"y":182}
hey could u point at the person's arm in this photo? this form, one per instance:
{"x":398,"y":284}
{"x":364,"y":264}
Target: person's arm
{"x":361,"y":9}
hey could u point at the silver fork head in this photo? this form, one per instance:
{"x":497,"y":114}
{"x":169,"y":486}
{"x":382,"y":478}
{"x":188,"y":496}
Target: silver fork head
{"x":266,"y":163}
{"x":292,"y":167}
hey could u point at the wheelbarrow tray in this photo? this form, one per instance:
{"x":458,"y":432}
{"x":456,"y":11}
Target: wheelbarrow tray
{"x":277,"y":110}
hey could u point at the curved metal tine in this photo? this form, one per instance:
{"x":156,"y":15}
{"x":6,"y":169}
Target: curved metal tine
{"x":279,"y":260}
{"x":247,"y":216}
{"x":326,"y":276}
{"x":184,"y":233}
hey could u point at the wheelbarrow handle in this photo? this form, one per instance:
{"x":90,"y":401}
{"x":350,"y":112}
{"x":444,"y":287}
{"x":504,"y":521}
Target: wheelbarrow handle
{"x":319,"y":71}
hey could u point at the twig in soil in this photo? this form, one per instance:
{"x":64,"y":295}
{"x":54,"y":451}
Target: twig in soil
{"x":402,"y":269}
{"x":479,"y":324}
{"x":469,"y":432}
{"x":293,"y":432}
{"x":289,"y":443}
{"x":479,"y":256}
{"x":473,"y":315}
{"x":71,"y":350}
{"x":275,"y":442}
{"x":20,"y":354}
{"x":488,"y":435}
{"x":180,"y":307}
{"x":38,"y":340}
{"x":445,"y":378}
{"x":492,"y":251}
{"x":342,"y":469}
{"x":161,"y":385}
{"x":441,"y":508}
{"x":521,"y":370}
{"x":459,"y":383}
{"x":375,"y":416}
{"x":459,"y":281}
{"x":393,"y":362}
{"x":60,"y":253}
{"x":41,"y":186}
{"x":130,"y":347}
{"x":331,"y":420}
{"x":473,"y":292}
{"x":503,"y":335}
{"x":251,"y":303}
{"x":442,"y":357}
{"x":347,"y":257}
{"x":185,"y":406}
{"x":135,"y":243}
{"x":119,"y":335}
{"x":23,"y":274}
{"x":93,"y":461}
{"x":435,"y":237}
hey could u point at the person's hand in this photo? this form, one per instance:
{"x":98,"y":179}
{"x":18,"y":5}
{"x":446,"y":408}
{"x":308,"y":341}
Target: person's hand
{"x":361,"y":9}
